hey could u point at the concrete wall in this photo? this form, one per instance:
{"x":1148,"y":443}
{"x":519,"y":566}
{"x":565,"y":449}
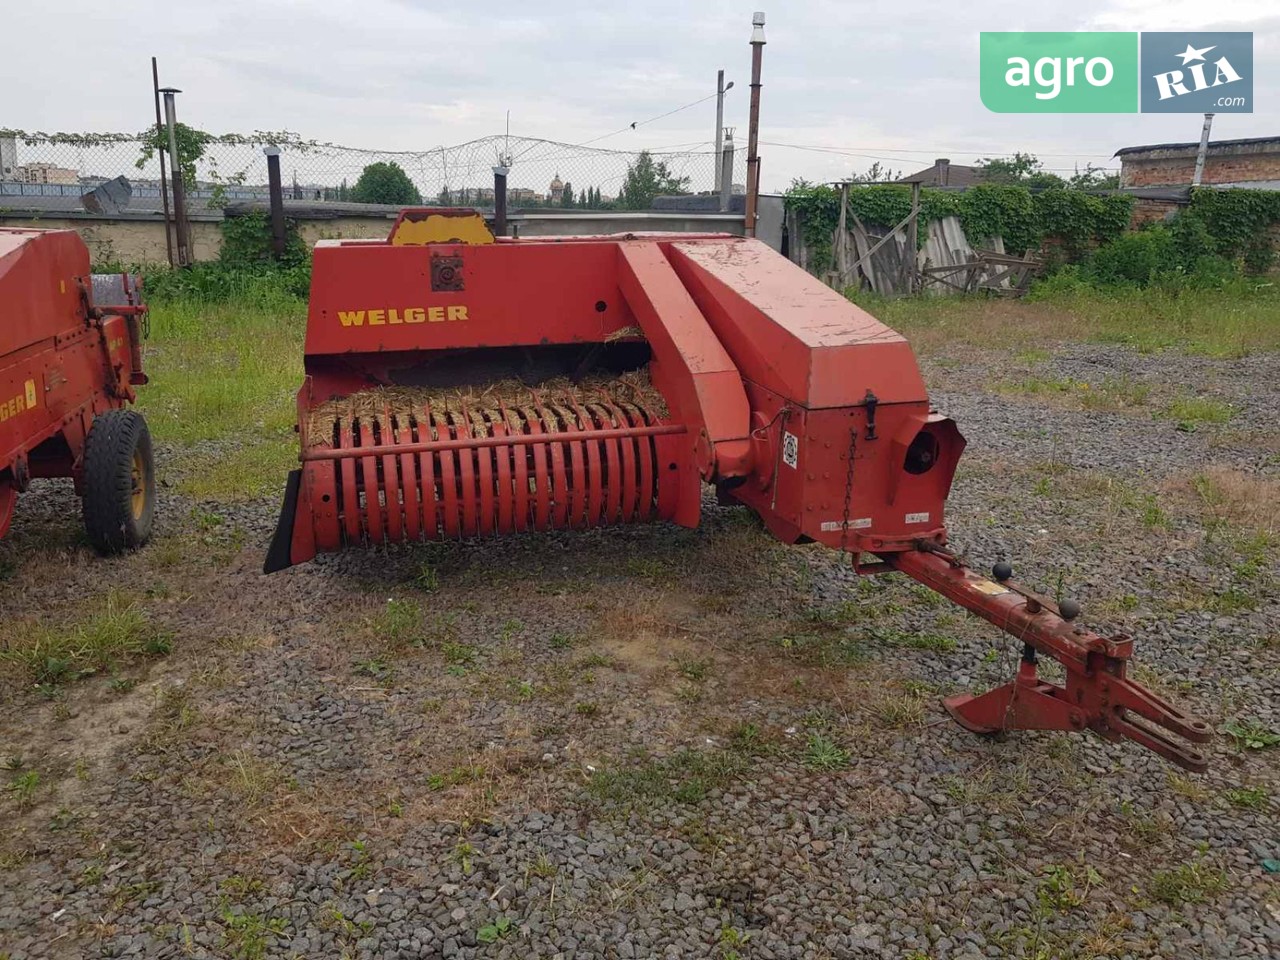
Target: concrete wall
{"x":139,"y":238}
{"x":132,"y":241}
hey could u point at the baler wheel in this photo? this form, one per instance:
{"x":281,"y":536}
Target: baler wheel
{"x":119,"y":482}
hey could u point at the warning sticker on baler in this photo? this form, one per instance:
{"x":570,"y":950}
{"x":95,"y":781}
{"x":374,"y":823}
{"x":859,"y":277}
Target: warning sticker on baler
{"x":916,"y":518}
{"x":861,"y":523}
{"x":790,"y":449}
{"x":989,"y":587}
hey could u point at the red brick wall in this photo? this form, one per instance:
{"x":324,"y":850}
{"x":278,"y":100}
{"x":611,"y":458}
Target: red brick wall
{"x":1177,"y":171}
{"x":1151,"y":211}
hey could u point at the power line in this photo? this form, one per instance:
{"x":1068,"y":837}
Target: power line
{"x":641,"y":123}
{"x":933,"y":151}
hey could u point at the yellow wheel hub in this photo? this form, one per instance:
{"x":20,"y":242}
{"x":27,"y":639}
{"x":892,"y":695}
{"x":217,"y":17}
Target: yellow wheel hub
{"x":139,"y":485}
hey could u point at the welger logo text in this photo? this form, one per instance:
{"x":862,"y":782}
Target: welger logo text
{"x":393,"y":316}
{"x":24,"y":401}
{"x":1100,"y":72}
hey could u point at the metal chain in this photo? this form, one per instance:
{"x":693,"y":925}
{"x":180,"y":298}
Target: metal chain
{"x":848,"y":489}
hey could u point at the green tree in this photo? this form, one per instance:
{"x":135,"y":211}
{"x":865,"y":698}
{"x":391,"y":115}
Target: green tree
{"x":1022,"y":169}
{"x":566,"y":198}
{"x":648,"y":178}
{"x":191,"y":146}
{"x":1094,"y":178}
{"x":385,"y":183}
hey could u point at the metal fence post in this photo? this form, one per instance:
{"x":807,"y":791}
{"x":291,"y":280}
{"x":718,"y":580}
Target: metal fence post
{"x":181,"y":225}
{"x":275,"y":191}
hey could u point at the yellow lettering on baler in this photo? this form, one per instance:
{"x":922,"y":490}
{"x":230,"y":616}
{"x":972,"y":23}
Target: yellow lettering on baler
{"x":32,"y":397}
{"x":397,"y":316}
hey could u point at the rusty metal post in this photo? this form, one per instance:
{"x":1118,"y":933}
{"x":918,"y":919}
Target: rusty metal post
{"x":182,"y":229}
{"x":753,"y":125}
{"x":500,"y":201}
{"x":164,"y":176}
{"x":275,"y":190}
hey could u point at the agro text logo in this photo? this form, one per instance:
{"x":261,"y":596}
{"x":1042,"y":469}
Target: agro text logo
{"x":1059,"y":72}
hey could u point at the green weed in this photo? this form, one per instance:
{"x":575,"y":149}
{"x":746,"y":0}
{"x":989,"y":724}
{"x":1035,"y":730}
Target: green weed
{"x":51,"y":655}
{"x":822,"y":753}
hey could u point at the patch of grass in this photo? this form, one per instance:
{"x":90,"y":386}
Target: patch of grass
{"x":254,"y":466}
{"x":399,"y":623}
{"x":1251,"y":798}
{"x":22,"y":788}
{"x":1190,"y":411}
{"x":912,"y":640}
{"x":823,"y":753}
{"x":1064,"y":888}
{"x":53,"y":654}
{"x":1193,"y":790}
{"x":899,"y":711}
{"x":586,"y":709}
{"x":224,"y":370}
{"x":685,"y":777}
{"x":246,"y":936}
{"x":824,"y":649}
{"x":428,"y":577}
{"x":458,"y":776}
{"x":560,"y":641}
{"x":1251,"y":735}
{"x":1190,"y":882}
{"x":376,"y":668}
{"x":1230,"y":322}
{"x":1111,"y":394}
{"x":692,"y":669}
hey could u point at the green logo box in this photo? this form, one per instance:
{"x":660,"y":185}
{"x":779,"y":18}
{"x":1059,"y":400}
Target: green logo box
{"x":1059,"y":72}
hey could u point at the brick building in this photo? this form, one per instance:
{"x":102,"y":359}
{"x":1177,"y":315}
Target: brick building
{"x":1254,"y":162}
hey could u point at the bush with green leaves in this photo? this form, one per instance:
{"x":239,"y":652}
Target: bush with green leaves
{"x":1076,"y":219}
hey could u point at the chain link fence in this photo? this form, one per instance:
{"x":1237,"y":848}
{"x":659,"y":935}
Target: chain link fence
{"x":54,"y":170}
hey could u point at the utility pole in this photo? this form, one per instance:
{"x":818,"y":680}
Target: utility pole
{"x":753,"y":125}
{"x":1203,"y":151}
{"x":164,"y":175}
{"x":726,"y":170}
{"x":721,"y":90}
{"x":182,"y":228}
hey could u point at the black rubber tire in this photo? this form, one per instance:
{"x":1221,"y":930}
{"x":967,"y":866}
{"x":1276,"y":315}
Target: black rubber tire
{"x":117,"y":442}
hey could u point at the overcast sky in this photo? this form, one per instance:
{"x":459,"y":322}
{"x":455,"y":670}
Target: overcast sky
{"x":895,"y":82}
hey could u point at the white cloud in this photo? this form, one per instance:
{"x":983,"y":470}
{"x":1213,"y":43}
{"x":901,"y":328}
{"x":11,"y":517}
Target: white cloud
{"x":895,"y":82}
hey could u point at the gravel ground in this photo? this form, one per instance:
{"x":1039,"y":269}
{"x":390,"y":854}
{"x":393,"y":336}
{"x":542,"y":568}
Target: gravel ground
{"x":653,"y":742}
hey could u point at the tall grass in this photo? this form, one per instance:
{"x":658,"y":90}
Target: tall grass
{"x":224,"y":367}
{"x":51,"y":654}
{"x":1241,"y":318}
